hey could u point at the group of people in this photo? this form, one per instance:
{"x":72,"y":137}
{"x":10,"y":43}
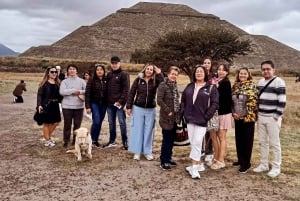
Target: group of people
{"x":207,"y":94}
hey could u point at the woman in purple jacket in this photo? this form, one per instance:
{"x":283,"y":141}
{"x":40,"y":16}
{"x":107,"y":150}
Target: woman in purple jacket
{"x":194,"y":104}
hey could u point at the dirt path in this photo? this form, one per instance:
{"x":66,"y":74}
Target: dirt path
{"x":29,"y":171}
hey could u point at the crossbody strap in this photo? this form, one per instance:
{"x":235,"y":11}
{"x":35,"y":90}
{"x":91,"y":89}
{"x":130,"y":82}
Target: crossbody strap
{"x":262,"y":90}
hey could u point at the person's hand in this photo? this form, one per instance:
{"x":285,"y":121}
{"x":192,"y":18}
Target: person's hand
{"x":236,"y":116}
{"x":76,"y":93}
{"x":88,"y":111}
{"x":128,"y":112}
{"x":157,"y":70}
{"x":40,"y":109}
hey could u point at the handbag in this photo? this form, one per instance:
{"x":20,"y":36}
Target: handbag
{"x":39,"y":117}
{"x":181,"y":137}
{"x":213,"y":123}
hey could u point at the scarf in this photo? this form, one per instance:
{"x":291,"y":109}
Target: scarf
{"x":173,"y":87}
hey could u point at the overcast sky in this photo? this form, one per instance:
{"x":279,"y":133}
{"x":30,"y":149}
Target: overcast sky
{"x":26,"y":23}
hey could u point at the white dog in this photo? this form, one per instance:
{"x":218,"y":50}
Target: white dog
{"x":83,"y":143}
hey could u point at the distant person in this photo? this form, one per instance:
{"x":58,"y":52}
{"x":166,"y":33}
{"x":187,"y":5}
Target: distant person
{"x":208,"y":146}
{"x":72,"y":105}
{"x":271,"y":103}
{"x":61,"y":74}
{"x":86,"y":76}
{"x":141,"y":106}
{"x":199,"y":102}
{"x":48,"y":99}
{"x":169,"y":115}
{"x":118,"y":87}
{"x":96,"y":101}
{"x":244,"y":112}
{"x":18,"y":91}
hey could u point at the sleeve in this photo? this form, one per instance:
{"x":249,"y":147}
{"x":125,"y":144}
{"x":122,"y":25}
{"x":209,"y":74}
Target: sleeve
{"x":159,"y":78}
{"x":281,"y":94}
{"x":132,"y":93}
{"x":161,"y":90}
{"x":252,"y":105}
{"x":39,"y":96}
{"x":88,"y":90}
{"x":214,"y":103}
{"x":64,"y":91}
{"x":125,"y":88}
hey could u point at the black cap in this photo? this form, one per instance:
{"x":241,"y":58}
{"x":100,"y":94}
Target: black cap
{"x":115,"y":59}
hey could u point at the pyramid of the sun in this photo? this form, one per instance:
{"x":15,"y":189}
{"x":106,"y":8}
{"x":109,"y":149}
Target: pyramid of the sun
{"x":140,"y":25}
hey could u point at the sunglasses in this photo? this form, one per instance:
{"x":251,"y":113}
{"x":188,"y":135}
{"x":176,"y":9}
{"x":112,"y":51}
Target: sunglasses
{"x":53,"y":71}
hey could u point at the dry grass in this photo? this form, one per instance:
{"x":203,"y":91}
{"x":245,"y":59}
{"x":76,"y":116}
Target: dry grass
{"x":289,"y":134}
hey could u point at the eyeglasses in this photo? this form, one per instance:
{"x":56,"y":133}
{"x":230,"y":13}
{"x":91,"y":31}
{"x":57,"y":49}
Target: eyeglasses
{"x":53,"y":71}
{"x":266,"y":69}
{"x":101,"y":65}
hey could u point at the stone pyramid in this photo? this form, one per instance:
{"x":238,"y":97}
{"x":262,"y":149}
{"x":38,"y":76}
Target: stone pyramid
{"x":140,"y":25}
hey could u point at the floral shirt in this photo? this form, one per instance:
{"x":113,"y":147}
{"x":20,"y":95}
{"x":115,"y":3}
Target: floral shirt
{"x":248,"y":89}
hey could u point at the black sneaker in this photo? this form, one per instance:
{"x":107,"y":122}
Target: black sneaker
{"x":125,"y":145}
{"x":172,"y":163}
{"x":96,"y":143}
{"x":244,"y":170}
{"x":165,"y":166}
{"x":235,"y":164}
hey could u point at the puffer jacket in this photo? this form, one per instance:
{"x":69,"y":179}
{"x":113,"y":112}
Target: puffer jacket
{"x":166,"y":103}
{"x":143,"y":94}
{"x":118,"y":84}
{"x":96,"y":92}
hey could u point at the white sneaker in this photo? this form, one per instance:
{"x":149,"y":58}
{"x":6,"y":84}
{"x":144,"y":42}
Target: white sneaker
{"x":49,"y":144}
{"x":149,"y":157}
{"x":137,"y":157}
{"x":194,"y":172}
{"x":274,"y":172}
{"x":261,"y":168}
{"x":200,"y":168}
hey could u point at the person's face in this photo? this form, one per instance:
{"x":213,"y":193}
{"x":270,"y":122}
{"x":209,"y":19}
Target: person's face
{"x":115,"y":65}
{"x":149,"y":71}
{"x":52,"y":73}
{"x":267,"y":71}
{"x":99,"y":72}
{"x":86,"y":76}
{"x":173,"y":75}
{"x":221,"y":72}
{"x":199,"y":74}
{"x":243,"y":75}
{"x":207,"y":64}
{"x":72,"y":71}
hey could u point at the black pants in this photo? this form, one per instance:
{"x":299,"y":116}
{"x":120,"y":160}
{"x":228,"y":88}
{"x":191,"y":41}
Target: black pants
{"x":70,"y":115}
{"x":167,"y":145}
{"x":244,"y":136}
{"x":19,"y":99}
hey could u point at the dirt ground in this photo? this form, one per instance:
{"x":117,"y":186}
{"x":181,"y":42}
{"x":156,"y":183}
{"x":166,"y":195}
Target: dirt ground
{"x":29,"y":171}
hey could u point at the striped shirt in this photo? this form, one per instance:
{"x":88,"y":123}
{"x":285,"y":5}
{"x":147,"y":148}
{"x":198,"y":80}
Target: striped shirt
{"x":273,"y":99}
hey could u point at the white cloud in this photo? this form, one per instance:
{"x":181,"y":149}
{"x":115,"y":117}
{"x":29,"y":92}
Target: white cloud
{"x":26,"y":23}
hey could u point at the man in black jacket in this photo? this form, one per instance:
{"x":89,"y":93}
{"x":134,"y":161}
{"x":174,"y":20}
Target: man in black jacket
{"x":118,"y":86}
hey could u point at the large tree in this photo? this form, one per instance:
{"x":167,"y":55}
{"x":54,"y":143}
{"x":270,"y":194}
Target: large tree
{"x":187,"y":48}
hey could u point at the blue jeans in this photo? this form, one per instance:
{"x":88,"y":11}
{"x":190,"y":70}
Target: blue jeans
{"x":167,"y":145}
{"x":98,"y":114}
{"x":142,"y":123}
{"x":112,"y":113}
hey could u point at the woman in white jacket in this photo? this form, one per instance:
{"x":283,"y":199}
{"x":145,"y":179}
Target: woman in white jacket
{"x":72,"y":105}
